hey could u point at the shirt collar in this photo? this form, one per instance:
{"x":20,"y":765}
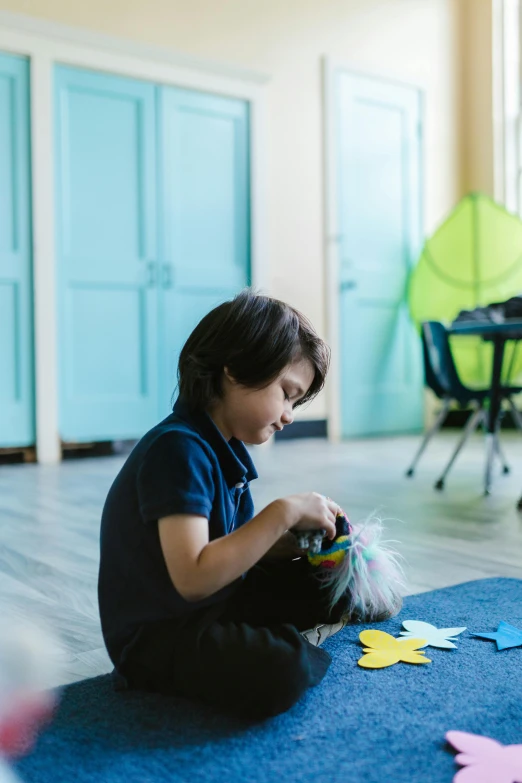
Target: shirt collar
{"x":235,"y":461}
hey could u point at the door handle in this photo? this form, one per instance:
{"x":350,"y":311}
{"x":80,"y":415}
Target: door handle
{"x":348,"y":285}
{"x":151,"y":274}
{"x":166,"y":275}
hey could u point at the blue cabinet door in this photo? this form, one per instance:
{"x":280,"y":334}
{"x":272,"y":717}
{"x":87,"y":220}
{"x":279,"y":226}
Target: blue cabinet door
{"x":17,"y":421}
{"x":107,"y":261}
{"x":379,"y":203}
{"x":204,"y":214}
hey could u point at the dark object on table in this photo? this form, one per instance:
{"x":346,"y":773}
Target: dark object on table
{"x":442,"y":378}
{"x":496,"y":312}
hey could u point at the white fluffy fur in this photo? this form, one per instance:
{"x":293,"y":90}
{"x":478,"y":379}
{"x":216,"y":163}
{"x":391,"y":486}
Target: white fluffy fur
{"x":370,"y":571}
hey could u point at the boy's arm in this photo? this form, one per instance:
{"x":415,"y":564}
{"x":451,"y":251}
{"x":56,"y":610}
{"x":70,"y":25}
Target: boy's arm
{"x":199,"y":567}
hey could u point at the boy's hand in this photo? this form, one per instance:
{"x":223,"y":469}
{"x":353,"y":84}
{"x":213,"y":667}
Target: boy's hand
{"x":313,"y":511}
{"x":286,"y":548}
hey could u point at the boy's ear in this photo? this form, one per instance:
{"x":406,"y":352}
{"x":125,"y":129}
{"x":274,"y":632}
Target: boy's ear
{"x":228,"y":375}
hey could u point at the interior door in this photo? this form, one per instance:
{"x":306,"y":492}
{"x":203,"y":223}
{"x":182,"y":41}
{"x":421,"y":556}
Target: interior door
{"x":378,"y":138}
{"x":17,"y":421}
{"x":107,"y":255}
{"x":205,"y":213}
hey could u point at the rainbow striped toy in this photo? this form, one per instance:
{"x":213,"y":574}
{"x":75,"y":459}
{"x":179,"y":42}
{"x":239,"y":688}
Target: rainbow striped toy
{"x":357,"y":561}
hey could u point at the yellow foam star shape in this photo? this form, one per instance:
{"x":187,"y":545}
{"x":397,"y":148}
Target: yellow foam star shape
{"x":385,"y":650}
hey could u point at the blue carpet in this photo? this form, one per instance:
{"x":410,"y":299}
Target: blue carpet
{"x":357,"y":725}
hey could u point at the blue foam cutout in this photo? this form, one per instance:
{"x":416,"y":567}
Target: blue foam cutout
{"x":505,"y":636}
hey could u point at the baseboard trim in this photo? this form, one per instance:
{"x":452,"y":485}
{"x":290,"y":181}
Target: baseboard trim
{"x":308,"y":428}
{"x":458,"y":418}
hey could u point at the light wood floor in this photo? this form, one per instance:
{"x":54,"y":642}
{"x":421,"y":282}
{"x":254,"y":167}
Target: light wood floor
{"x":49,"y":524}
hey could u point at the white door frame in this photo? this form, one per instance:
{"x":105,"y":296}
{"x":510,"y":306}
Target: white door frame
{"x":332,"y":235}
{"x":47,"y":44}
{"x":507,"y":109}
{"x":331,"y":250}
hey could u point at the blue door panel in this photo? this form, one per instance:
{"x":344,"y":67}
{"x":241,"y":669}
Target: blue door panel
{"x":205,"y":213}
{"x":91,"y":312}
{"x":153,"y":192}
{"x":17,"y":421}
{"x":379,"y":198}
{"x":106,"y":195}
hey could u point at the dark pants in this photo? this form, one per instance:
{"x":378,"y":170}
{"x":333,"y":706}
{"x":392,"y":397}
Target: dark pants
{"x":245,"y":654}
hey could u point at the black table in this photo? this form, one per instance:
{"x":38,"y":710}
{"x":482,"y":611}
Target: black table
{"x":498,"y":334}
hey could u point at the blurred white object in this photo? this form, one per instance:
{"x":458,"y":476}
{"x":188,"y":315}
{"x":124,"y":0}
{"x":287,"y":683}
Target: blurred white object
{"x":29,"y":657}
{"x":6,"y":776}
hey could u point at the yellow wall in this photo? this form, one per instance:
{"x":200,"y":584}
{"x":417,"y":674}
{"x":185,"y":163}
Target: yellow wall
{"x":415,"y":41}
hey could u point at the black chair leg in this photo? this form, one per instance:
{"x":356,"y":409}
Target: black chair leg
{"x":490,"y":454}
{"x":517,"y":416}
{"x":428,"y":436}
{"x":500,"y":454}
{"x":471,"y":425}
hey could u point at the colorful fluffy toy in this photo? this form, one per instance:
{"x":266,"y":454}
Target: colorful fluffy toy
{"x":357,"y":562}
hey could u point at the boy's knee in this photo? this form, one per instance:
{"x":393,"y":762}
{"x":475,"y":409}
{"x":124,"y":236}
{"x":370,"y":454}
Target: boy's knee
{"x":287,"y":687}
{"x":280,"y":683}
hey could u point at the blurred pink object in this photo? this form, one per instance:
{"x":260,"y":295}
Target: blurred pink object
{"x":485,"y":760}
{"x":21,"y":723}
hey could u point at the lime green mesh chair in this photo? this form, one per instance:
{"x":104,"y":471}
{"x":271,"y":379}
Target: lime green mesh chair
{"x":474,"y":258}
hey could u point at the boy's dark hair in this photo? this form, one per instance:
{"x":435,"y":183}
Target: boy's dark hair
{"x":255,"y":337}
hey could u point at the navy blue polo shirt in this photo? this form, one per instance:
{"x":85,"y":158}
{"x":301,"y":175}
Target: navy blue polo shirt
{"x":181,"y":466}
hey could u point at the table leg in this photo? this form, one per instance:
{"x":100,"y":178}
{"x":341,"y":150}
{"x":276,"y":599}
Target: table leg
{"x":494,"y":408}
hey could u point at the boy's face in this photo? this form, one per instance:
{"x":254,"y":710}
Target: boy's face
{"x":253,"y":415}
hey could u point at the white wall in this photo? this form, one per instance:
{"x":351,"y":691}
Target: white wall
{"x":415,"y":41}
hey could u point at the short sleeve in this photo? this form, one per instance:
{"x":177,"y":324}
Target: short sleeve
{"x":176,"y":476}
